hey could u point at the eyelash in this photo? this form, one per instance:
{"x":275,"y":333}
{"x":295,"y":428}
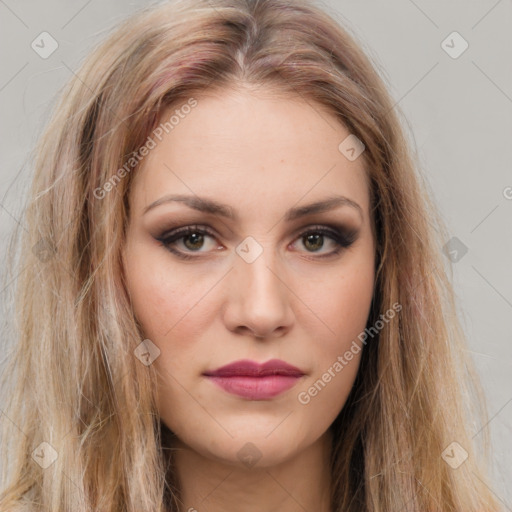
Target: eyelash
{"x":342,"y":238}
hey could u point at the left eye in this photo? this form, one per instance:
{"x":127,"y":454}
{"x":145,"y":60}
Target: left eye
{"x":315,"y":240}
{"x":192,"y":238}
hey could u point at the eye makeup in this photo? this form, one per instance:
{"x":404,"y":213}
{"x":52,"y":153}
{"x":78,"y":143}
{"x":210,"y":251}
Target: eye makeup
{"x":340,"y":236}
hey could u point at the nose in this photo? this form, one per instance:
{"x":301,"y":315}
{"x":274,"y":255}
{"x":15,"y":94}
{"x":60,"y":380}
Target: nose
{"x":258,"y":298}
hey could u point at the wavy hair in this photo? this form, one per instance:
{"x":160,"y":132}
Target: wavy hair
{"x":72,"y":380}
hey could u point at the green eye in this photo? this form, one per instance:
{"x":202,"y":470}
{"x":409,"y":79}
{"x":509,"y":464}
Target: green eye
{"x":193,"y":239}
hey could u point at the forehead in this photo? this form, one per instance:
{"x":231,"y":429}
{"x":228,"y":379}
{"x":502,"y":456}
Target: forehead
{"x":243,"y":146}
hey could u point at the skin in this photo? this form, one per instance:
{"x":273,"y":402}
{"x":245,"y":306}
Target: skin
{"x":260,"y":154}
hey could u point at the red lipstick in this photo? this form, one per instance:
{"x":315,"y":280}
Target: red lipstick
{"x":254,"y":381}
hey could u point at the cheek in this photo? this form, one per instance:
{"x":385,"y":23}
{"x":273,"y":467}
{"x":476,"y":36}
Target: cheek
{"x":348,"y":304}
{"x":161,"y":295}
{"x":342,"y":302}
{"x":343,"y":307}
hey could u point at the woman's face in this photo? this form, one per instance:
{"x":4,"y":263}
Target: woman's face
{"x":259,"y":276}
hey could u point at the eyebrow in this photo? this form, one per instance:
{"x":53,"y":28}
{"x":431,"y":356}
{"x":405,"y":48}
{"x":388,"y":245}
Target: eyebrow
{"x":206,"y":205}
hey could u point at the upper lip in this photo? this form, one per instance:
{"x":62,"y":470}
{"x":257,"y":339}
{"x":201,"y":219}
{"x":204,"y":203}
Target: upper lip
{"x":246,"y":367}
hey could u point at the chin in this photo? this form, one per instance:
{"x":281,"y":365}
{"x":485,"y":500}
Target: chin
{"x":253,"y":449}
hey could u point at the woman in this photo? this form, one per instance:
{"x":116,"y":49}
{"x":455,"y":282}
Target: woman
{"x":233,"y":294}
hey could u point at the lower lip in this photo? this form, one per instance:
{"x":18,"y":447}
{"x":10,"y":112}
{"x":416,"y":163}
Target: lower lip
{"x":255,"y":388}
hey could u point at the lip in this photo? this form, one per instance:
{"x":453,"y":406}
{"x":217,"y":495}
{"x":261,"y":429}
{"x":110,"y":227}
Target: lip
{"x":254,"y":381}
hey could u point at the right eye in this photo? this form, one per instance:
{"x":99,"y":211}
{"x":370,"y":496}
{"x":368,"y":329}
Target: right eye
{"x":191,"y":238}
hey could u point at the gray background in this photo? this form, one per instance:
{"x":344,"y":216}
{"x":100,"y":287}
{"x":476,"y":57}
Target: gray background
{"x":458,"y":112}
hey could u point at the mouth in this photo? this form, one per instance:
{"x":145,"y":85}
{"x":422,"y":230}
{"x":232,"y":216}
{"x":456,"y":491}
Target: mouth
{"x":254,"y":381}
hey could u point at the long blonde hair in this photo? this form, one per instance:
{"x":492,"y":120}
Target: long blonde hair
{"x":73,"y":380}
